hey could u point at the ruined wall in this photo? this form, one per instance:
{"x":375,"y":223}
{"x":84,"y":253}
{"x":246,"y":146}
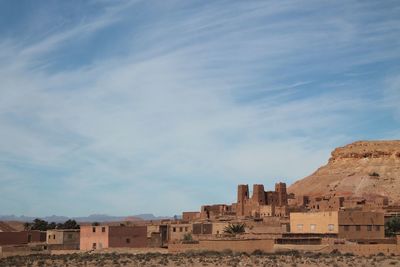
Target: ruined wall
{"x":190,"y":215}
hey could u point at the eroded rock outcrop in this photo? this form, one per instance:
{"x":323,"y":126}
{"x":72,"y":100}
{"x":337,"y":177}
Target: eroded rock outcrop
{"x":364,"y":168}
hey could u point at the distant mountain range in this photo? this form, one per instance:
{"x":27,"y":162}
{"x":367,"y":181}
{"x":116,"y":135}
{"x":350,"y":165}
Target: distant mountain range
{"x":90,"y":218}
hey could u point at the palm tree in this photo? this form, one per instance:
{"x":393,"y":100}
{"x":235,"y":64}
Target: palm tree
{"x":234,"y":229}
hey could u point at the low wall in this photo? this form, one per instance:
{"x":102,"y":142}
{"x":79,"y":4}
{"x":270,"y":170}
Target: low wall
{"x":368,"y":249}
{"x":356,"y":249}
{"x":240,"y":245}
{"x":8,"y":251}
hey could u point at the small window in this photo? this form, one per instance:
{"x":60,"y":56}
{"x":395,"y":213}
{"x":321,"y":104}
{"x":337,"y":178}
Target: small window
{"x":128,"y":240}
{"x":358,"y":227}
{"x":313,"y":227}
{"x":94,"y":246}
{"x":180,"y":229}
{"x":54,"y":236}
{"x":103,"y":229}
{"x":94,"y":229}
{"x":369,"y":227}
{"x":300,"y":227}
{"x":331,"y":227}
{"x":186,"y":229}
{"x":49,"y":237}
{"x":346,"y":228}
{"x":174,"y":229}
{"x":377,"y":227}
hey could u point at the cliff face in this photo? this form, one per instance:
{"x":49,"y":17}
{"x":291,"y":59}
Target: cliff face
{"x":364,"y":168}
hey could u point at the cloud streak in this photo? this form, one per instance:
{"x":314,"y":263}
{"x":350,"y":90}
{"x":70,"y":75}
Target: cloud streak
{"x":171,"y":105}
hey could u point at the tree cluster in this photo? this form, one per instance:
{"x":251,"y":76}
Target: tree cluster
{"x":392,"y":226}
{"x":42,"y":225}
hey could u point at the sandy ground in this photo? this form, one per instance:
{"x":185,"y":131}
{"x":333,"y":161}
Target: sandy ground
{"x":198,"y":259}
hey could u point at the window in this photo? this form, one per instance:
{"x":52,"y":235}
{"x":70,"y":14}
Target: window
{"x":103,"y":229}
{"x":377,"y":227}
{"x":94,"y":229}
{"x":358,"y":227}
{"x":300,"y":227}
{"x":128,"y":241}
{"x":313,"y":227}
{"x":346,"y":228}
{"x":174,"y":229}
{"x":180,"y":229}
{"x":69,"y":236}
{"x":369,"y":227}
{"x":94,"y":246}
{"x":331,"y":227}
{"x":49,"y":236}
{"x":186,"y":229}
{"x":54,"y":236}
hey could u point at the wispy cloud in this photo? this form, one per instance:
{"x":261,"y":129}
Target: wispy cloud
{"x":180,"y":102}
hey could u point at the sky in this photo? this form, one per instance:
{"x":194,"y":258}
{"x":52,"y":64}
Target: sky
{"x":129,"y":107}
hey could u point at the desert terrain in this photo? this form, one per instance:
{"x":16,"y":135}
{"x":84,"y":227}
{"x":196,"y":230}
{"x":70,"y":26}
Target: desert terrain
{"x":206,"y":258}
{"x":363,"y":168}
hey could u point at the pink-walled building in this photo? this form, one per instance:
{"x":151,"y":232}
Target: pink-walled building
{"x":104,"y":236}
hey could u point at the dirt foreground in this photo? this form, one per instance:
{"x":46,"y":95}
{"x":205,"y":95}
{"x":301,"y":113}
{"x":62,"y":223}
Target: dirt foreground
{"x":206,"y":258}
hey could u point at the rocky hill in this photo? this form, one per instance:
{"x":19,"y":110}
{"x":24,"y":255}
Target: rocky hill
{"x":364,"y":168}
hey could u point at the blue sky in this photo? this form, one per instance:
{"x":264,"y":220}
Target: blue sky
{"x":128,"y":107}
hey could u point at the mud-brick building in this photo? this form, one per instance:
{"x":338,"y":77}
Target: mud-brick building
{"x":261,"y":203}
{"x":351,"y":225}
{"x":63,"y":239}
{"x":22,"y":237}
{"x":99,"y":237}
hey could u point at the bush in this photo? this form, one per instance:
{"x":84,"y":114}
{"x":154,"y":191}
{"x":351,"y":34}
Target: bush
{"x":392,"y":226}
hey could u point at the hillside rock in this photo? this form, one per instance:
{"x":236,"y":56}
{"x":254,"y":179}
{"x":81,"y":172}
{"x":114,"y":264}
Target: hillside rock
{"x":363,"y":168}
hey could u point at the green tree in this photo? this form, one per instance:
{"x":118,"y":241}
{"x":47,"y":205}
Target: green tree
{"x":39,"y":224}
{"x":234,"y":229}
{"x":27,"y":226}
{"x":70,"y":224}
{"x":392,"y":226}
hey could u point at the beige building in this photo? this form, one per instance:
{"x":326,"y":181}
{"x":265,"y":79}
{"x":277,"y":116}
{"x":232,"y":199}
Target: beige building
{"x":345,"y":224}
{"x":63,"y":239}
{"x":177,"y":231}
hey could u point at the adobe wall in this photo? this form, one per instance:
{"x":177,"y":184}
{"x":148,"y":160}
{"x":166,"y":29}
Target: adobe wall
{"x":178,"y":231}
{"x":127,"y":236}
{"x":321,"y":220}
{"x":361,"y":225}
{"x":88,"y":237}
{"x":190,"y":215}
{"x":71,"y":238}
{"x":368,"y":249}
{"x":21,"y":250}
{"x":240,"y":245}
{"x":356,"y":249}
{"x":13,"y":238}
{"x":54,"y":237}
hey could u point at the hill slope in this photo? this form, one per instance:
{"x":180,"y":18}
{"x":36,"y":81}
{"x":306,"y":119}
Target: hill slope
{"x":363,"y":168}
